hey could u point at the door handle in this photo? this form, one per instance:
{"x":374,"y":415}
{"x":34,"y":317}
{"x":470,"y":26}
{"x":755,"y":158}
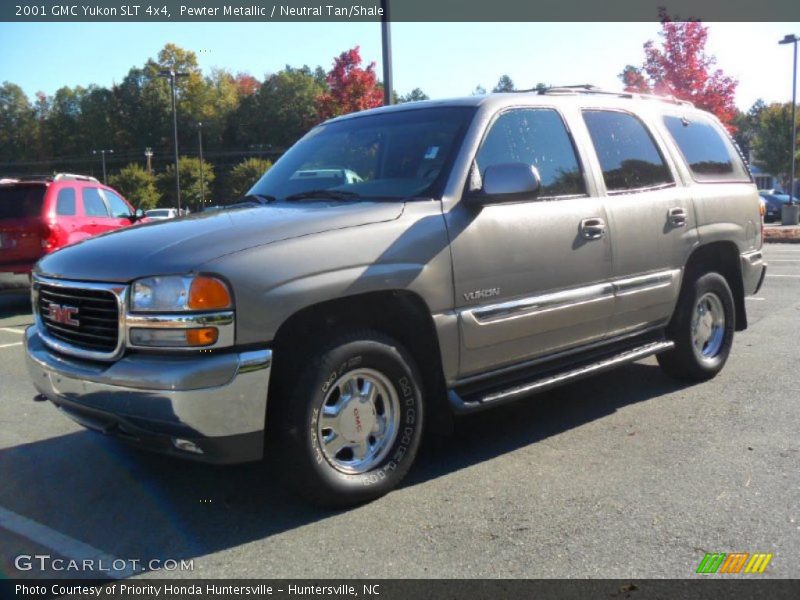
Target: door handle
{"x":593,"y":229}
{"x":677,"y":216}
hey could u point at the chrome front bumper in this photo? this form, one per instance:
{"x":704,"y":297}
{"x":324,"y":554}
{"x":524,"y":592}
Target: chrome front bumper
{"x":216,"y":401}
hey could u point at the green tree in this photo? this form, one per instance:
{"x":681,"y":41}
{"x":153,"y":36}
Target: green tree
{"x":772,"y":144}
{"x":191,"y":189}
{"x":746,"y":124}
{"x":18,"y":125}
{"x":414,"y":95}
{"x":281,"y":112}
{"x":137,"y":185}
{"x":245,"y":174}
{"x":504,"y":84}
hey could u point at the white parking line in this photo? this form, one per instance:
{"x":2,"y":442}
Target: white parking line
{"x":9,"y":345}
{"x":784,"y":260}
{"x":62,"y":544}
{"x":753,"y":298}
{"x":779,"y":275}
{"x":12,"y":330}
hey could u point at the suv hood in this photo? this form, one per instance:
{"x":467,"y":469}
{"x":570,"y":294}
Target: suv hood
{"x":181,"y":245}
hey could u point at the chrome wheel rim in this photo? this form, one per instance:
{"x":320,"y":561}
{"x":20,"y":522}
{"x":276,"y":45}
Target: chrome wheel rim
{"x":358,"y":421}
{"x":708,"y":326}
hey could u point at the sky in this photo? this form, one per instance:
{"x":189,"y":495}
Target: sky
{"x":443,"y":59}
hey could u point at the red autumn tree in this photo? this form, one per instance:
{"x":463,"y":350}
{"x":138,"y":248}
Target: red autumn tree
{"x":246,"y":84}
{"x":350,"y":87}
{"x":682,"y":68}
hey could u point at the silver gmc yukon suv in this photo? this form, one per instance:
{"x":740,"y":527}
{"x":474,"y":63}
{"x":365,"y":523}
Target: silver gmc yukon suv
{"x":400,"y":266}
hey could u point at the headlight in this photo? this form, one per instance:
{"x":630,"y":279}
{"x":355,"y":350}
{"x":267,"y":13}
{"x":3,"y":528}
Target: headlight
{"x":172,"y":293}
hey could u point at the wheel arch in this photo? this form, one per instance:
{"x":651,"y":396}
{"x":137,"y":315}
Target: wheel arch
{"x":724,"y":258}
{"x":400,"y":314}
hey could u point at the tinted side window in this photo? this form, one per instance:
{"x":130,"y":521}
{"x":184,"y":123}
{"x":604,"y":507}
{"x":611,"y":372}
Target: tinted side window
{"x":65,"y":202}
{"x":117,"y":204}
{"x":710,"y":156}
{"x":628,"y":155}
{"x":535,"y":137}
{"x":93,"y":205}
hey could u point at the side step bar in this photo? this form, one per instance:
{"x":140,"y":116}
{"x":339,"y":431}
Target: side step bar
{"x":520,"y":390}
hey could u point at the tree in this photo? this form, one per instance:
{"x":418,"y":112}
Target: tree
{"x":18,"y":126}
{"x":415,"y":95}
{"x":772,"y":144}
{"x":747,"y":124}
{"x":245,"y":174}
{"x":479,"y":90}
{"x":504,"y":84}
{"x":137,"y":185}
{"x":191,"y":191}
{"x":682,"y":68}
{"x":280,"y":112}
{"x":351,"y":87}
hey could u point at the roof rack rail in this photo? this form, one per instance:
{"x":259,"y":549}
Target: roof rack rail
{"x":59,"y":176}
{"x":586,"y":88}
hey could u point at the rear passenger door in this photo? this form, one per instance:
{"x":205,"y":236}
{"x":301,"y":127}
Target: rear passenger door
{"x":529,"y":281}
{"x":651,"y":220}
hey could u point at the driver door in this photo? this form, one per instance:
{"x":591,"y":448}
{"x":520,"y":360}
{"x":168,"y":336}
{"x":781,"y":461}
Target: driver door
{"x":531,"y":276}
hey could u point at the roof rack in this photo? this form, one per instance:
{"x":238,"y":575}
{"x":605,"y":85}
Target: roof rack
{"x":586,"y":88}
{"x":50,"y":177}
{"x":59,"y":176}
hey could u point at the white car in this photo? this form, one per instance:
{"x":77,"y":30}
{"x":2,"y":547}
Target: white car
{"x":159,"y":214}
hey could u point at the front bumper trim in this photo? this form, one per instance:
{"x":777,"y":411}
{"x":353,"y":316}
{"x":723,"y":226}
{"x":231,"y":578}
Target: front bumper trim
{"x":226,"y":418}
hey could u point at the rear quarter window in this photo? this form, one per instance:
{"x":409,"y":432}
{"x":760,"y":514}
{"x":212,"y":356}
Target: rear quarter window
{"x":65,"y":202}
{"x":707,"y":151}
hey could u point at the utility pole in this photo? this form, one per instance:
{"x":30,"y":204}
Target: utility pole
{"x":171,"y":74}
{"x":102,"y":154}
{"x":792,"y":218}
{"x":148,"y":154}
{"x":386,"y":46}
{"x":202,"y":179}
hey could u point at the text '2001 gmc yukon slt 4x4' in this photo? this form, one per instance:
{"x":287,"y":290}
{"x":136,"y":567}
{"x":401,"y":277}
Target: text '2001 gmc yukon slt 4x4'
{"x":401,"y":265}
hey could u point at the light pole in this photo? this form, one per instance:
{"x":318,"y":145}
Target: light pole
{"x":102,"y":154}
{"x":793,"y":39}
{"x":148,"y":154}
{"x":386,"y":46}
{"x":202,"y":180}
{"x":171,"y":74}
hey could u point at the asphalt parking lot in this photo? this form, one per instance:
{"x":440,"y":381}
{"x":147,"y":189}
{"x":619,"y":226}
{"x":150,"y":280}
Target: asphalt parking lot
{"x":627,"y":474}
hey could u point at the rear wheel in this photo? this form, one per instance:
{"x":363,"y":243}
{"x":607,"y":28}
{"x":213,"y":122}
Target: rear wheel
{"x":352,"y":422}
{"x":702,"y":329}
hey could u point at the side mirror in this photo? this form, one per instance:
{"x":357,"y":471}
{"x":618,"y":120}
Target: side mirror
{"x":137,"y":216}
{"x":507,"y":182}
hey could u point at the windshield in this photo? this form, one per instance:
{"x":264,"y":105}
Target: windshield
{"x":21,"y":201}
{"x":394,"y":155}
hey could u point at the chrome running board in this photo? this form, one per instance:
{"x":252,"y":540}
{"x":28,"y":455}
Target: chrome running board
{"x":519,"y":390}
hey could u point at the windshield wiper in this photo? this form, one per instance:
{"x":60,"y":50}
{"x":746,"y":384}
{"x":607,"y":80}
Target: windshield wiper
{"x":332,"y":194}
{"x":257,"y":198}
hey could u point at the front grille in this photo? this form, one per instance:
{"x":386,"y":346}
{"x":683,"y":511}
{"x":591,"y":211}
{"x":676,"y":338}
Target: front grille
{"x":97,"y":316}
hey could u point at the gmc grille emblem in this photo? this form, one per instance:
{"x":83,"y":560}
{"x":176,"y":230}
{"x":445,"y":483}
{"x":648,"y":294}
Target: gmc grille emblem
{"x":63,"y":314}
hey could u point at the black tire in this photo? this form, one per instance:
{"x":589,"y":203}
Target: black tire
{"x":686,"y":361}
{"x":306,"y":466}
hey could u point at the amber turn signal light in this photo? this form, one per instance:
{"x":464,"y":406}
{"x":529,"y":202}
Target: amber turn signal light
{"x":206,"y":336}
{"x":208,"y":293}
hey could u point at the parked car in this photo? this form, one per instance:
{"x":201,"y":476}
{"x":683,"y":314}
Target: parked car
{"x":39,"y":215}
{"x":490,"y":248}
{"x":160,"y":214}
{"x":773,"y":203}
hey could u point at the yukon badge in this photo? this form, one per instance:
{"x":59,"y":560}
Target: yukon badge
{"x":481,"y":294}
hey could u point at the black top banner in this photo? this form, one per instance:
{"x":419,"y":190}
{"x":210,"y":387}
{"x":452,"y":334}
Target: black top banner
{"x":394,"y":10}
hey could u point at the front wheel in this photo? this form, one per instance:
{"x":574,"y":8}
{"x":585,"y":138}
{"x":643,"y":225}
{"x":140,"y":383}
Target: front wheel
{"x":353,"y":422}
{"x":702,"y":329}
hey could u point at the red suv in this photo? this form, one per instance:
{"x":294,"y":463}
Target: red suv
{"x":40,"y":215}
